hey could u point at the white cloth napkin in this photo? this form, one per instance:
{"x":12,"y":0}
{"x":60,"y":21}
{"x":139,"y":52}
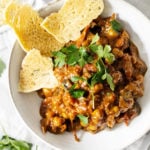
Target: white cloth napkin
{"x":9,"y":119}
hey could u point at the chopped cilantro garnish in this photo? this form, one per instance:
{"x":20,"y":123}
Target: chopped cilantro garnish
{"x":83,"y":119}
{"x":72,"y":55}
{"x":116,"y":25}
{"x":103,"y":52}
{"x":84,"y":57}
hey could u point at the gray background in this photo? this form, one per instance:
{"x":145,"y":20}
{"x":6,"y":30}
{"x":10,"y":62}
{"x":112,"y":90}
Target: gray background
{"x":142,"y":5}
{"x":144,"y":142}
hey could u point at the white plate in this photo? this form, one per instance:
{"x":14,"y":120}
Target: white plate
{"x":121,"y":136}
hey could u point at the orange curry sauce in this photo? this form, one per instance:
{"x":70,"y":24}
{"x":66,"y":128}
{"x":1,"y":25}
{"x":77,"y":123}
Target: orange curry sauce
{"x":99,"y":106}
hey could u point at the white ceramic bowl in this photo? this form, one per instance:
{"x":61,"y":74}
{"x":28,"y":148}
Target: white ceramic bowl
{"x":121,"y":136}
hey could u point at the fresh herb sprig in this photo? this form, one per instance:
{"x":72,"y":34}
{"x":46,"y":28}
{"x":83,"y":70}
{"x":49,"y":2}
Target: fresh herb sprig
{"x":102,"y":52}
{"x":8,"y":143}
{"x":102,"y":73}
{"x":72,"y":56}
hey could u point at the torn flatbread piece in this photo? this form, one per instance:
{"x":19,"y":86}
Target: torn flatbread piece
{"x":36,"y":72}
{"x":74,"y":16}
{"x":26,"y":23}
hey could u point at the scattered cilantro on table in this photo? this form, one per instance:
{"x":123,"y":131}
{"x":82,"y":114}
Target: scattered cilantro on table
{"x":9,"y":143}
{"x":2,"y":66}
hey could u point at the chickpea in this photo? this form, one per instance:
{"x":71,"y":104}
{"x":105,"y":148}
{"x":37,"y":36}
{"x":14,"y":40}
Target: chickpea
{"x":49,"y":114}
{"x":98,"y":87}
{"x":111,"y":34}
{"x":119,"y":42}
{"x":57,"y":121}
{"x":111,"y":121}
{"x":96,"y":116}
{"x":46,"y":92}
{"x":63,"y":128}
{"x":92,"y":127}
{"x":117,"y":52}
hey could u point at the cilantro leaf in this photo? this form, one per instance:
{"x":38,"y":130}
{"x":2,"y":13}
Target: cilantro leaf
{"x":69,"y":49}
{"x":75,"y":79}
{"x":98,"y":49}
{"x":21,"y":145}
{"x":72,"y":54}
{"x":107,"y":49}
{"x":116,"y":25}
{"x":96,"y":78}
{"x":104,"y":76}
{"x":100,"y":75}
{"x":110,"y":81}
{"x":72,"y":58}
{"x":83,"y":56}
{"x":95,"y":38}
{"x":59,"y":58}
{"x":77,"y":93}
{"x":109,"y":57}
{"x":83,"y":119}
{"x":8,"y":143}
{"x":100,"y":66}
{"x":2,"y":66}
{"x":103,"y":52}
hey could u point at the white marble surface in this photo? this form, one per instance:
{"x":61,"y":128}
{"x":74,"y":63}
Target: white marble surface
{"x":9,"y":119}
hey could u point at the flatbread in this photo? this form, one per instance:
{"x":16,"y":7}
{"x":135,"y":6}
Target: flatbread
{"x":75,"y":15}
{"x":36,"y":72}
{"x":26,"y":23}
{"x":3,"y":5}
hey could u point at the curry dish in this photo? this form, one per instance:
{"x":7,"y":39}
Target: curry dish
{"x":100,"y":79}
